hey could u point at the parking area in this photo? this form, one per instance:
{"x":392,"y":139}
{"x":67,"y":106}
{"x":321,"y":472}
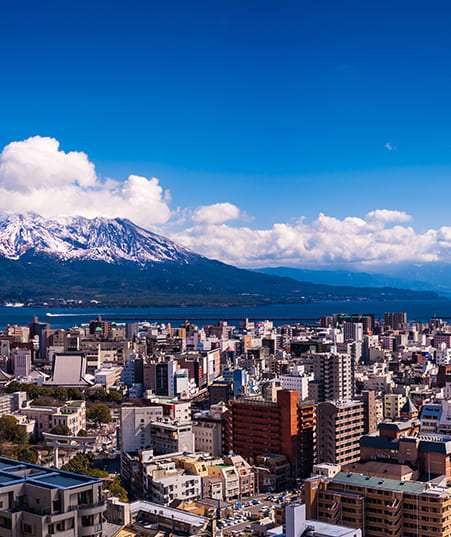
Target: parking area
{"x":242,"y":518}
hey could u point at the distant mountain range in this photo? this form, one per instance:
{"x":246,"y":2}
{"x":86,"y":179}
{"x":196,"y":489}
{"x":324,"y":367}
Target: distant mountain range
{"x":431,"y":277}
{"x":116,"y":262}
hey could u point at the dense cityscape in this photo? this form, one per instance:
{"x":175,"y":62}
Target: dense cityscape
{"x":341,"y":427}
{"x":225,"y":268}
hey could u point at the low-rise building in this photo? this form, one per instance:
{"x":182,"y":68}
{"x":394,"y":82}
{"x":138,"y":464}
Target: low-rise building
{"x":107,"y":376}
{"x":176,"y":486}
{"x":230,"y":480}
{"x":170,"y":436}
{"x":72,"y":414}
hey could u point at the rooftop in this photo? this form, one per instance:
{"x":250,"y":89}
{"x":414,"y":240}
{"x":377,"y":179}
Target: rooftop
{"x":12,"y":472}
{"x":176,"y":514}
{"x":362,"y":480}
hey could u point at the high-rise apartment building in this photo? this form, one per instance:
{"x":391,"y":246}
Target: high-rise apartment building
{"x":340,"y":425}
{"x":334,"y":375}
{"x":258,"y":427}
{"x":395,"y":321}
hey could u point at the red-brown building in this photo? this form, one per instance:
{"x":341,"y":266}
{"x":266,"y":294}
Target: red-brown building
{"x":258,"y":427}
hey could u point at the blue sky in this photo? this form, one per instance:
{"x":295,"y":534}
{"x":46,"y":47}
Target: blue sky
{"x":284,"y":109}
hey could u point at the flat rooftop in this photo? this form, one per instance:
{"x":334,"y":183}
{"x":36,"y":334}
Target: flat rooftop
{"x":14,"y":472}
{"x":168,"y":512}
{"x":362,"y":480}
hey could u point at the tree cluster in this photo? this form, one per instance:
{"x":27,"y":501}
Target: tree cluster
{"x":43,"y":395}
{"x":14,"y":441}
{"x":99,"y":413}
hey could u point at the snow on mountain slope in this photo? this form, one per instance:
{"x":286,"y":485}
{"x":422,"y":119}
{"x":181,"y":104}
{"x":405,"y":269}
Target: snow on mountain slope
{"x":76,"y":238}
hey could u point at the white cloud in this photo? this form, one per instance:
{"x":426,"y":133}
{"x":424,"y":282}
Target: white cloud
{"x":35,"y":175}
{"x":386,"y":216}
{"x":217,"y":213}
{"x":388,"y":146}
{"x":325,"y":240}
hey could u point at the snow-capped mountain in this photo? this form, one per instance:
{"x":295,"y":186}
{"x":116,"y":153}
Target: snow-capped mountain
{"x":76,"y":238}
{"x":116,"y":263}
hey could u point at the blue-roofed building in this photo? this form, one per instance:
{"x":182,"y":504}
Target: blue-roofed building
{"x":430,"y":418}
{"x":38,"y":502}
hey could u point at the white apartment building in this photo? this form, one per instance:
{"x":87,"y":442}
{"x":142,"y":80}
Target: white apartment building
{"x":136,"y":426}
{"x":298,"y":380}
{"x":178,"y":486}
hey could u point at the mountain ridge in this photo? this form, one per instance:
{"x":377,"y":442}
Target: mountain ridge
{"x":116,"y":262}
{"x":112,"y":240}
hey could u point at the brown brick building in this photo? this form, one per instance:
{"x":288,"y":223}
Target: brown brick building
{"x":258,"y":427}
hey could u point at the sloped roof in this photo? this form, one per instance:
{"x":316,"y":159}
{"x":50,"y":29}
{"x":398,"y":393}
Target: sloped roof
{"x":69,"y":370}
{"x":408,"y":407}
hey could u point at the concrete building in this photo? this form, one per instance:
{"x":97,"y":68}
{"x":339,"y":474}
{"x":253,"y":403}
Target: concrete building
{"x":107,"y":376}
{"x":340,"y":426}
{"x":379,"y":506}
{"x":245,"y":472}
{"x":207,"y":437}
{"x":72,"y":414}
{"x":21,"y":360}
{"x":395,"y":321}
{"x":136,"y":424}
{"x":257,"y":427}
{"x":230,"y":480}
{"x":297,"y":525}
{"x":170,"y":436}
{"x":393,"y":402}
{"x":37,"y":501}
{"x":298,"y":381}
{"x":179,"y":486}
{"x":167,"y":520}
{"x":11,"y":402}
{"x":334,"y":375}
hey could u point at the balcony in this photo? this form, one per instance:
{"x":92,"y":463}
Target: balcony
{"x":89,"y":509}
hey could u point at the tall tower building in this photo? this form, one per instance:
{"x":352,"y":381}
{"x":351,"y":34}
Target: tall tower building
{"x":258,"y":427}
{"x":334,"y":375}
{"x":340,"y":426}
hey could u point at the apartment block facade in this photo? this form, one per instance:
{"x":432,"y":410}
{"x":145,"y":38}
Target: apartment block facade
{"x":340,"y":426}
{"x":41,"y":502}
{"x":380,"y":506}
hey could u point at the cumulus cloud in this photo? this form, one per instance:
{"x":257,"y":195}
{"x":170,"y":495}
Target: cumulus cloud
{"x":386,"y":216}
{"x":326,"y":239}
{"x":217,"y":213}
{"x":35,"y":175}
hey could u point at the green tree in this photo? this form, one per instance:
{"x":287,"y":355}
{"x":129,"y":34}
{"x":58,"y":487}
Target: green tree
{"x":26,"y":454}
{"x":61,"y":429}
{"x":74,"y":394}
{"x":99,"y":413}
{"x":116,"y":489}
{"x":61,"y":393}
{"x":82,"y":464}
{"x":115,"y":397}
{"x":83,"y":432}
{"x":11,"y":431}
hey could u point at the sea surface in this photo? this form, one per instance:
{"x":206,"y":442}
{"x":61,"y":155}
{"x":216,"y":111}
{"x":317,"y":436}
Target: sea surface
{"x":417,"y":310}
